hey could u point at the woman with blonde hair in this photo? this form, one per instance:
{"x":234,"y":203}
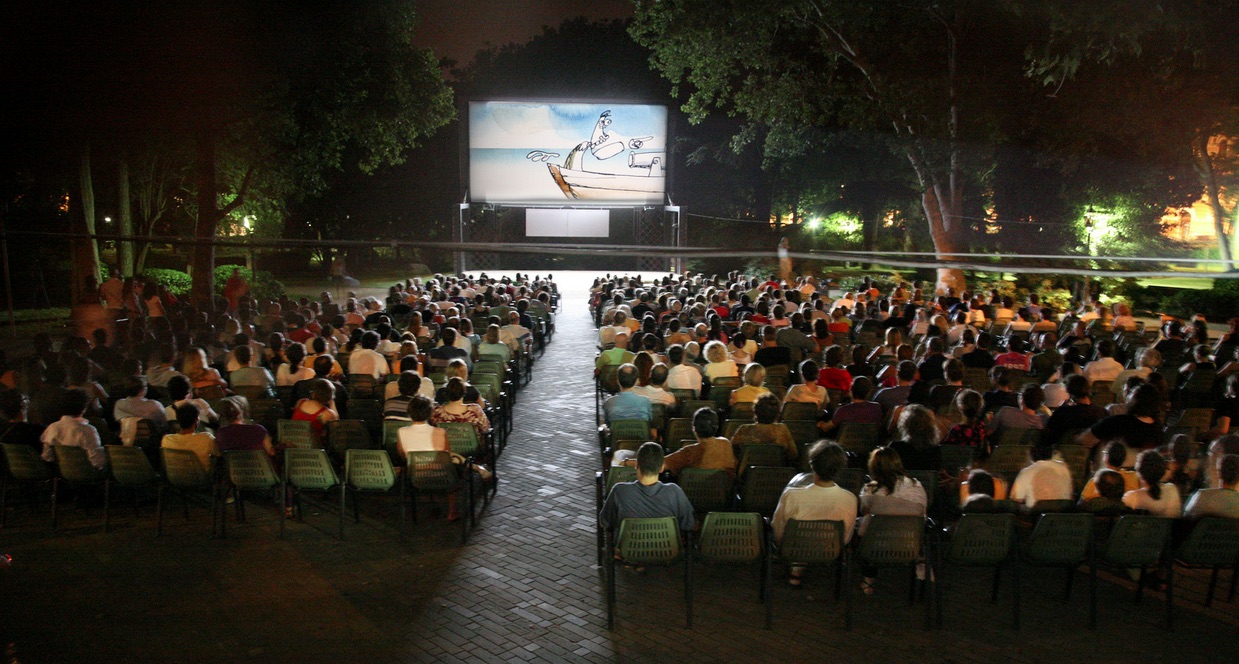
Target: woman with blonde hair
{"x":754,"y":376}
{"x":719,"y":364}
{"x":204,"y":379}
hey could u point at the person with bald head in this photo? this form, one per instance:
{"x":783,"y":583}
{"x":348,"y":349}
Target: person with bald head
{"x":615,"y":356}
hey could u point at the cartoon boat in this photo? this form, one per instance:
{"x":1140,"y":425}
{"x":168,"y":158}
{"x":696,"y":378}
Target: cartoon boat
{"x":580,"y":184}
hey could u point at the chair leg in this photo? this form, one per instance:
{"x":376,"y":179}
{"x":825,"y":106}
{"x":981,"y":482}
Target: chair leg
{"x":1092,"y":593}
{"x":343,"y":491}
{"x":610,"y":591}
{"x":767,"y":590}
{"x":1015,"y":591}
{"x":1212,"y":585}
{"x":930,"y":600}
{"x":159,"y":512}
{"x":1170,"y":596}
{"x":107,"y":502}
{"x":688,"y":587}
{"x":847,"y":591}
{"x":55,"y":500}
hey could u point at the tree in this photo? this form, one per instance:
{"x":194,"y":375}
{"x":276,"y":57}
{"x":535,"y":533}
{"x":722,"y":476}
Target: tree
{"x":1179,"y":64}
{"x":916,"y":72}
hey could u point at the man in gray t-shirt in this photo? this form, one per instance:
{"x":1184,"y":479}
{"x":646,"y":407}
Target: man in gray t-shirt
{"x":647,"y":498}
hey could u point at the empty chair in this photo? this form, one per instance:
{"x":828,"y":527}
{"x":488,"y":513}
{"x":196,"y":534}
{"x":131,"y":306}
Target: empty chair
{"x":852,"y":479}
{"x":305,"y":470}
{"x":1212,"y":544}
{"x":127,"y":467}
{"x":366,"y":471}
{"x":1065,"y":541}
{"x":737,"y":538}
{"x":800,"y":410}
{"x":708,"y":490}
{"x":344,"y":435}
{"x":984,"y":540}
{"x":649,"y":542}
{"x":858,"y":439}
{"x":463,"y":439}
{"x":759,"y":455}
{"x":1008,"y":460}
{"x":24,"y":468}
{"x":296,"y":434}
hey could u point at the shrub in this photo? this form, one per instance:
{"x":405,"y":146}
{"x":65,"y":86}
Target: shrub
{"x":263,"y":286}
{"x":178,"y":283}
{"x":1218,"y":303}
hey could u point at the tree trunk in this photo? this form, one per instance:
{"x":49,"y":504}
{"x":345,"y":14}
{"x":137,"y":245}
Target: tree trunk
{"x":85,"y":252}
{"x":124,"y":216}
{"x":944,"y":228}
{"x":1208,"y":176}
{"x":209,"y":215}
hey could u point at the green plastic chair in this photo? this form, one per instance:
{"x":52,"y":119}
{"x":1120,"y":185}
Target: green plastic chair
{"x":369,"y":411}
{"x":984,"y":540}
{"x":737,"y":538}
{"x":267,"y":411}
{"x":859,"y":439}
{"x":801,"y":411}
{"x":721,"y":396}
{"x":955,"y":457}
{"x":391,"y":440}
{"x":1008,"y":460}
{"x":688,"y":407}
{"x":305,"y":470}
{"x":628,"y":430}
{"x":614,"y":475}
{"x":130,"y":468}
{"x":366,"y":471}
{"x":184,"y":474}
{"x":1142,"y":542}
{"x":898,"y":541}
{"x":1065,"y":541}
{"x":1213,"y":544}
{"x":741,"y":412}
{"x":463,"y":439}
{"x":709,"y":490}
{"x":297,"y":434}
{"x":247,"y":471}
{"x":1076,"y":457}
{"x":730,"y":427}
{"x":760,"y":455}
{"x":344,"y":435}
{"x":434,"y":474}
{"x":813,"y":544}
{"x":1017,"y":437}
{"x":679,"y":428}
{"x":23,"y":467}
{"x":74,"y":467}
{"x":649,"y":543}
{"x":762,"y":486}
{"x":364,"y":386}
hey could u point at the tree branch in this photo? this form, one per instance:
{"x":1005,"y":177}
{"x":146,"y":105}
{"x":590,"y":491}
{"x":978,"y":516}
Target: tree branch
{"x":240,"y":197}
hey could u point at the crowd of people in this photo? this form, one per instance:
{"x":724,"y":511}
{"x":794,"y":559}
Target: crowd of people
{"x":161,"y":373}
{"x":1114,"y":418}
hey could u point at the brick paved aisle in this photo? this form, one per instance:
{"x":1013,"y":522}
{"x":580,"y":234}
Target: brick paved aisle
{"x":525,"y":587}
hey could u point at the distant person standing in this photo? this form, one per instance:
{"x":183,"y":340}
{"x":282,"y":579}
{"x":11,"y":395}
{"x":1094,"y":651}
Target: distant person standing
{"x":338,"y":272}
{"x":235,"y":289}
{"x":785,"y":260}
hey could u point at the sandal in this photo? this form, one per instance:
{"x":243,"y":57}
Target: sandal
{"x":866,"y":585}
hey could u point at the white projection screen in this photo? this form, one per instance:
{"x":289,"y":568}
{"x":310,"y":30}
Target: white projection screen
{"x":552,"y":153}
{"x":567,"y":223}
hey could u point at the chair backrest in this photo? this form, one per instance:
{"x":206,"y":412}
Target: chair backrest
{"x":309,"y":469}
{"x":929,"y":482}
{"x":182,"y":469}
{"x":617,"y":474}
{"x":266,"y":412}
{"x":1137,"y":541}
{"x":24,"y":463}
{"x":804,"y":432}
{"x":74,"y":464}
{"x":852,"y":479}
{"x":433,"y":471}
{"x":1052,"y":506}
{"x":812,"y":541}
{"x":800,"y":410}
{"x":760,"y":455}
{"x":763,"y":485}
{"x":892,"y":540}
{"x":859,"y":439}
{"x":369,"y":411}
{"x":955,"y":457}
{"x":1076,"y":457}
{"x":982,"y":540}
{"x":1061,"y":539}
{"x":608,"y":379}
{"x":391,"y":440}
{"x":1199,"y":418}
{"x":129,"y":465}
{"x":297,"y":434}
{"x":733,"y":537}
{"x":629,"y":430}
{"x":682,"y":395}
{"x":709,"y":490}
{"x":1214,"y":542}
{"x":679,"y":428}
{"x":462,"y":438}
{"x":345,"y":435}
{"x":720,"y":395}
{"x":250,"y":470}
{"x":1013,"y":436}
{"x":1008,"y":459}
{"x":730,"y":427}
{"x":362,"y":386}
{"x":741,"y":412}
{"x":730,"y":382}
{"x":650,"y":541}
{"x":1102,"y":393}
{"x":369,"y":470}
{"x":690,"y":406}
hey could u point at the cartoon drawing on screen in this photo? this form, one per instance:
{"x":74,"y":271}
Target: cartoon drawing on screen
{"x":643,"y":176}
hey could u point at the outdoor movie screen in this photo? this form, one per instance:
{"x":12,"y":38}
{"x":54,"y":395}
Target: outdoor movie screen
{"x":553,"y":153}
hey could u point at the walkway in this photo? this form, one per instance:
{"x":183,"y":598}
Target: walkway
{"x":525,"y":587}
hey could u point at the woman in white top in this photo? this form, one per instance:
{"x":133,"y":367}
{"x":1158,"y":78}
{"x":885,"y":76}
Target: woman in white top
{"x":421,"y":435}
{"x":293,"y":371}
{"x":719,"y":364}
{"x":1154,"y":496}
{"x":892,"y":492}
